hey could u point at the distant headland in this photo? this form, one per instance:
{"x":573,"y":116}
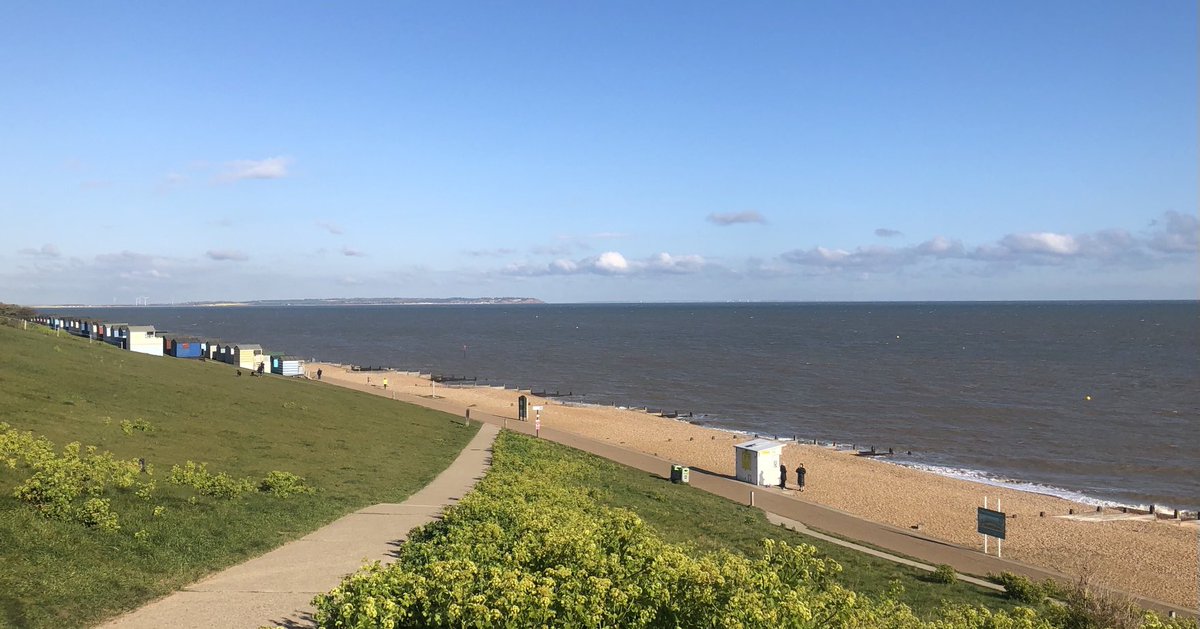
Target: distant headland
{"x":336,"y":301}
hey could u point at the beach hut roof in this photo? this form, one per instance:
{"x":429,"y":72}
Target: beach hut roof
{"x":758,"y":445}
{"x":140,"y":328}
{"x":249,"y":346}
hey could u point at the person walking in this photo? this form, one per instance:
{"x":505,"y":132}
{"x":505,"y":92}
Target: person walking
{"x":800,"y":472}
{"x":782,"y":476}
{"x":318,"y":373}
{"x":385,"y":384}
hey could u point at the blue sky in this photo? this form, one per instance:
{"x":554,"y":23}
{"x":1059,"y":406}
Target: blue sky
{"x":598,"y":152}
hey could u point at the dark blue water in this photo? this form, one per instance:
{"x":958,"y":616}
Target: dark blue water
{"x":981,"y":390}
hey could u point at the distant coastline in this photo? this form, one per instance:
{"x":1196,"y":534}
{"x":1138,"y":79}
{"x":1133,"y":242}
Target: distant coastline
{"x":350,"y":301}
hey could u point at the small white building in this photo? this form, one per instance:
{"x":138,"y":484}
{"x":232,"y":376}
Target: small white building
{"x":248,"y":355}
{"x":142,"y":339}
{"x":757,"y":462}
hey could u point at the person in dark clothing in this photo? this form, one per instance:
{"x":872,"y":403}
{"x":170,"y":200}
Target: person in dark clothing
{"x":260,"y":368}
{"x":318,"y":374}
{"x":782,"y":476}
{"x":800,"y":472}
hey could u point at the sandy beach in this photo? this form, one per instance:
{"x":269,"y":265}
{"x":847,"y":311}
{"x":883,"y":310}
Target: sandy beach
{"x":1156,"y":559}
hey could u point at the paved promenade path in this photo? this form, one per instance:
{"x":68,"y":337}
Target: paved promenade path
{"x":275,"y":589}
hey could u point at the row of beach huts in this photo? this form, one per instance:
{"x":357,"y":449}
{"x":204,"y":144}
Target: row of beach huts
{"x":144,"y":339}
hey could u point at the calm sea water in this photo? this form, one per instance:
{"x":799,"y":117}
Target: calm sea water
{"x":988,"y":391}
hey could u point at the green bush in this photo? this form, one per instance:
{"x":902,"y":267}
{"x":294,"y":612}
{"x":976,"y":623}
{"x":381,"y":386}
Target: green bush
{"x":219,"y":485}
{"x":57,"y":482}
{"x":1020,"y":588}
{"x":140,"y":425}
{"x":944,"y":573}
{"x":96,"y":513}
{"x":284,"y":484}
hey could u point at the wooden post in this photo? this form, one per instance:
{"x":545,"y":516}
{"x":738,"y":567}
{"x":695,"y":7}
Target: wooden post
{"x":985,"y":544}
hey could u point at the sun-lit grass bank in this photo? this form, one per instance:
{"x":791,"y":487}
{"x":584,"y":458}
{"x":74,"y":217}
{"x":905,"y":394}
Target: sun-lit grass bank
{"x":353,"y":449}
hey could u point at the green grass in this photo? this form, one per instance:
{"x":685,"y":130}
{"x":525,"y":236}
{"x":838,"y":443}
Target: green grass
{"x":682,"y":514}
{"x":355,"y":449}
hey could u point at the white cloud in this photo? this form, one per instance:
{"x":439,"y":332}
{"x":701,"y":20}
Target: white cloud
{"x":150,"y":274}
{"x":941,"y":247}
{"x":1176,"y":233}
{"x":230,"y":255}
{"x":45,"y":251}
{"x":736,"y":218}
{"x":668,"y":263}
{"x":269,"y":168}
{"x":564,"y":266}
{"x":490,"y":253}
{"x":611,"y":262}
{"x":1041,"y":242}
{"x":330,"y":227}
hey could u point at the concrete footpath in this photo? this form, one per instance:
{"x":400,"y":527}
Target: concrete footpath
{"x":275,"y":589}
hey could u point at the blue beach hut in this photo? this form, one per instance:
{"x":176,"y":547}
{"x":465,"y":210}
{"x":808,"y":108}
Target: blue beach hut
{"x":185,"y":347}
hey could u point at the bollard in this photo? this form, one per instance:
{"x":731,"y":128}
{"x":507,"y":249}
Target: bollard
{"x":1099,"y":509}
{"x":1070,"y":512}
{"x":751,"y":497}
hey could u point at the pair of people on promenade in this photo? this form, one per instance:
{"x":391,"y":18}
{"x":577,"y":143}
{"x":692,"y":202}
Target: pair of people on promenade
{"x":800,"y":474}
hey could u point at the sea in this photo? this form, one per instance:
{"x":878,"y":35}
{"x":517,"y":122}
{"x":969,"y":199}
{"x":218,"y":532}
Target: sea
{"x":1092,"y":401}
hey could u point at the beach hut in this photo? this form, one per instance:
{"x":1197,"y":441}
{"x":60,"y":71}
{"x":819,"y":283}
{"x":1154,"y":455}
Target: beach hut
{"x":287,"y":365}
{"x":114,"y":334}
{"x":184,"y":347}
{"x":225,"y":353}
{"x":141,"y":339}
{"x":757,"y":461}
{"x":248,"y":355}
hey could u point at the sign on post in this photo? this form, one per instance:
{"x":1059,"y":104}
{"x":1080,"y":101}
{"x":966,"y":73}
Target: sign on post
{"x":990,"y":522}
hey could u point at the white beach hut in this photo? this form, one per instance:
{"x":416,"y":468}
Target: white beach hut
{"x":248,"y":355}
{"x":757,"y":461}
{"x":141,"y":339}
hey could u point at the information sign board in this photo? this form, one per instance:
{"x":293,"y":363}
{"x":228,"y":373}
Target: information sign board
{"x":990,"y":522}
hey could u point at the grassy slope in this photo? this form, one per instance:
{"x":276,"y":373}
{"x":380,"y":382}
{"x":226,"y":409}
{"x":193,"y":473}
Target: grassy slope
{"x":682,"y":514}
{"x":356,"y":449}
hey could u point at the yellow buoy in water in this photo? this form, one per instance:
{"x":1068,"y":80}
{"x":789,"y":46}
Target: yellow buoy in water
{"x":1087,"y":398}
